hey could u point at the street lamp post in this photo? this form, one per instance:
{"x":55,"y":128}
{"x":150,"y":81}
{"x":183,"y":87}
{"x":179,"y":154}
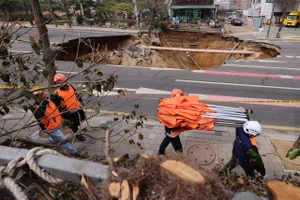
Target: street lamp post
{"x":273,"y":7}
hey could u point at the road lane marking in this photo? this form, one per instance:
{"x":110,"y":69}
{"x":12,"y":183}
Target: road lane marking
{"x":261,"y":67}
{"x":20,"y":51}
{"x":270,"y":61}
{"x":288,"y":77}
{"x":236,"y":84}
{"x":263,"y":61}
{"x":232,"y":73}
{"x":289,"y":56}
{"x":284,"y":128}
{"x":143,"y":90}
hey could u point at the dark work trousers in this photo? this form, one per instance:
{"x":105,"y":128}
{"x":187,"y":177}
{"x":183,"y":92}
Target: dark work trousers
{"x":176,"y":143}
{"x":75,"y":117}
{"x":234,"y":162}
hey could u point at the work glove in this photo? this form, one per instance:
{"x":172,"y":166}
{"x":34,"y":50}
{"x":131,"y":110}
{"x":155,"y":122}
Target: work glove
{"x":293,"y":153}
{"x":256,"y":161}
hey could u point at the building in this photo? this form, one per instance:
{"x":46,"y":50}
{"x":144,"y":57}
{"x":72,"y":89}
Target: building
{"x":260,"y":11}
{"x":223,"y":4}
{"x":187,"y":10}
{"x":236,"y":4}
{"x":264,"y":8}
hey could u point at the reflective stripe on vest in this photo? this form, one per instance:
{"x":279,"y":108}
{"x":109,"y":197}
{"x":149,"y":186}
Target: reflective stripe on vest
{"x":68,"y":98}
{"x":51,"y":118}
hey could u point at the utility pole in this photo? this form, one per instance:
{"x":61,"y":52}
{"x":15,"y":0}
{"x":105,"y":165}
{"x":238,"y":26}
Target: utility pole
{"x":52,"y":11}
{"x":272,"y":13}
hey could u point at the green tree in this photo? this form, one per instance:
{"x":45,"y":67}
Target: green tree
{"x":122,"y":7}
{"x":9,"y":6}
{"x":104,"y":8}
{"x":45,"y":5}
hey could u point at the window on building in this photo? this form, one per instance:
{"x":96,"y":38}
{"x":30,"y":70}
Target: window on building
{"x":253,"y":2}
{"x":258,"y":1}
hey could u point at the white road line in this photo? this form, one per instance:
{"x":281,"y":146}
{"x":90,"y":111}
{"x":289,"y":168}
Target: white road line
{"x":19,"y":51}
{"x":235,"y":84}
{"x":63,"y":72}
{"x":261,"y":67}
{"x":278,"y":56}
{"x":286,"y":76}
{"x":298,"y":56}
{"x":270,"y":61}
{"x":289,"y":56}
{"x":111,"y":65}
{"x":142,"y":90}
{"x":164,"y":69}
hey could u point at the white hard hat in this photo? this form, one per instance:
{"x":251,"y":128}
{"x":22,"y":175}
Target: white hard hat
{"x":252,"y":128}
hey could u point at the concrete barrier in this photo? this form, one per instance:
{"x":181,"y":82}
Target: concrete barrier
{"x":62,"y":167}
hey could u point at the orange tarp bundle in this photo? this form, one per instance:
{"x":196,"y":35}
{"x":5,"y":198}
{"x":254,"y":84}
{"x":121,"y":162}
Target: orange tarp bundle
{"x":183,"y":113}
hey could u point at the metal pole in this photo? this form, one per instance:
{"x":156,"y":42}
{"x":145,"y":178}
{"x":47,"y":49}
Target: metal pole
{"x":53,"y":14}
{"x":271,"y":20}
{"x":136,"y":13}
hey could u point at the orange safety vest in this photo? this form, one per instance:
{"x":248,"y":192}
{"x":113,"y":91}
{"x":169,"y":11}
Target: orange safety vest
{"x":51,"y":118}
{"x":68,"y":98}
{"x":253,"y":141}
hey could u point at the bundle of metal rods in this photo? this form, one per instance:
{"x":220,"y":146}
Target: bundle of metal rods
{"x":228,"y":116}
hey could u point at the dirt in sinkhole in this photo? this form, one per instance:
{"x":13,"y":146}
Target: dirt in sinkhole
{"x":116,"y":50}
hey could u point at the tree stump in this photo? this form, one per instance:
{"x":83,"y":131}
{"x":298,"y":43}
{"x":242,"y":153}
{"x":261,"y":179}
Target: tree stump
{"x":279,"y":190}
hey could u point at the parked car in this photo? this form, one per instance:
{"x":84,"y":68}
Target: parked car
{"x":236,"y":22}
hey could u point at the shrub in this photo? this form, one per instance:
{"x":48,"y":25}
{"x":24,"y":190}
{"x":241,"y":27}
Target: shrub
{"x":130,"y":22}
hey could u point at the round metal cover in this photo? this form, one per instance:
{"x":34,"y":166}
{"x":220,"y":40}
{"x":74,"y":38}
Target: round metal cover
{"x":202,"y":154}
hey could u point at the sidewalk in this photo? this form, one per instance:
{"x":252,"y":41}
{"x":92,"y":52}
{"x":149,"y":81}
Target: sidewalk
{"x":206,"y":148}
{"x":287,"y":34}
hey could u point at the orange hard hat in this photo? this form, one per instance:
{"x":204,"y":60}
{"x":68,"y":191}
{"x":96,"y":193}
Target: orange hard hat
{"x":59,"y":78}
{"x":176,"y":92}
{"x":40,"y":93}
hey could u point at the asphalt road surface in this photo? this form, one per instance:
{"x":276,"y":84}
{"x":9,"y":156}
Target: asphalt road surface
{"x":242,"y":80}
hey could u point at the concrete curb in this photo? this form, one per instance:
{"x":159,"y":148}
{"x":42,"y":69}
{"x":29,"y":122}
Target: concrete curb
{"x":62,"y":167}
{"x":280,"y":161}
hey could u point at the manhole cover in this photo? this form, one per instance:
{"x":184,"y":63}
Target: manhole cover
{"x":204,"y":155}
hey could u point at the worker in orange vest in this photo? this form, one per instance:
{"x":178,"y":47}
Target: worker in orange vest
{"x":69,"y":104}
{"x":245,"y":152}
{"x":49,"y":118}
{"x":174,"y":139}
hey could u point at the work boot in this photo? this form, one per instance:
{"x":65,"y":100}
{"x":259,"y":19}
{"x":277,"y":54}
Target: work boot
{"x":80,"y":138}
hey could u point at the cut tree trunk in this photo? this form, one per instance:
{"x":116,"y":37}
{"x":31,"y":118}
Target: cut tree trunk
{"x":278,"y":190}
{"x":182,"y":171}
{"x":43,"y":35}
{"x":125,"y":189}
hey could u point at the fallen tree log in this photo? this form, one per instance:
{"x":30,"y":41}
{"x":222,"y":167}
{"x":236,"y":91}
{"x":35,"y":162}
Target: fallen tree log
{"x":198,"y":50}
{"x":182,"y":171}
